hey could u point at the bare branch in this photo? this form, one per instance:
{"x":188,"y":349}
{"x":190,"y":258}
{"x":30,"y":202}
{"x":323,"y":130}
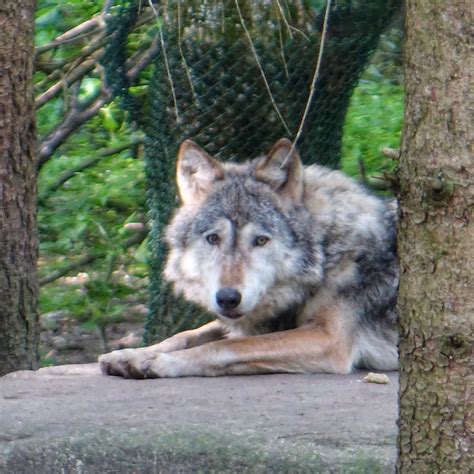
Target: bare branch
{"x":55,"y":67}
{"x":72,"y":121}
{"x":56,"y":74}
{"x":74,"y":34}
{"x":83,"y":69}
{"x":93,"y":45}
{"x":75,"y":118}
{"x":76,"y":74}
{"x":140,"y":61}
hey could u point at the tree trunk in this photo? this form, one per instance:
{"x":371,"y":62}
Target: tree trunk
{"x":436,"y":244}
{"x":18,"y":232}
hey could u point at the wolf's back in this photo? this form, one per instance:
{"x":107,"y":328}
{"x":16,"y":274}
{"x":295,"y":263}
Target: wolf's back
{"x":360,"y":263}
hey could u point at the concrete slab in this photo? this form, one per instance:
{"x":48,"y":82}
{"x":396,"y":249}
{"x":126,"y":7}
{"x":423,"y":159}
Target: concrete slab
{"x":72,"y":419}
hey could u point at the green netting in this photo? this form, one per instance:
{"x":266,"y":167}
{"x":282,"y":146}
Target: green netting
{"x":207,"y":85}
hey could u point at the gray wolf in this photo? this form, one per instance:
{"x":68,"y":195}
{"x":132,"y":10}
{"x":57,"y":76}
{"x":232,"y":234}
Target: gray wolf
{"x":298,"y":264}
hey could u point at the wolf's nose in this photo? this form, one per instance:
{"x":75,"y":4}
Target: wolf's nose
{"x":228,"y":298}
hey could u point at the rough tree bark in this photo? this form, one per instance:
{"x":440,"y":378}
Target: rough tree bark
{"x":436,"y":244}
{"x":18,"y":233}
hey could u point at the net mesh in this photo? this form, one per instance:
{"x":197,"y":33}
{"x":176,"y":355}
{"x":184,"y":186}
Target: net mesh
{"x":235,"y":80}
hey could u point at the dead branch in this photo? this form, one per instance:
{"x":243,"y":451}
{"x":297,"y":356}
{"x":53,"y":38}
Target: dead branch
{"x":93,"y":45}
{"x":75,"y":118}
{"x":86,"y":28}
{"x":71,"y":122}
{"x":68,"y":63}
{"x":76,"y":74}
{"x":141,"y":59}
{"x":78,"y":71}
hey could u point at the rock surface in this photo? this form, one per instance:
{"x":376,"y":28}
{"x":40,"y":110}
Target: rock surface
{"x":72,"y":419}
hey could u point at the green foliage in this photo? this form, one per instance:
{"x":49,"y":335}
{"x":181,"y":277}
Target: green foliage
{"x":373,"y":121}
{"x":85,"y":216}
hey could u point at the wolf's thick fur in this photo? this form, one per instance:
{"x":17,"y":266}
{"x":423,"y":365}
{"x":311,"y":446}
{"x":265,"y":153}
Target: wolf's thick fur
{"x":298,"y":263}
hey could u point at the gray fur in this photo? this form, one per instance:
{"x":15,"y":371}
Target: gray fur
{"x":340,"y":241}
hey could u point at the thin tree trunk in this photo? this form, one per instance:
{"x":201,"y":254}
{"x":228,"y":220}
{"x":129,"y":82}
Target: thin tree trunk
{"x":436,"y":243}
{"x":18,"y":232}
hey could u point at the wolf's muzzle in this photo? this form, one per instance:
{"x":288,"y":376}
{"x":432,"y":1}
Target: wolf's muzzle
{"x":228,"y":298}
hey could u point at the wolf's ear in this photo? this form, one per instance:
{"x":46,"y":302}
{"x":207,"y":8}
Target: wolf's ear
{"x":282,"y":170}
{"x":196,"y":172}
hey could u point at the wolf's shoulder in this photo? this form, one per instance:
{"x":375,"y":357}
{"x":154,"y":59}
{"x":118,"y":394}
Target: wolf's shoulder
{"x":323,"y":179}
{"x":327,"y":187}
{"x":335,"y":199}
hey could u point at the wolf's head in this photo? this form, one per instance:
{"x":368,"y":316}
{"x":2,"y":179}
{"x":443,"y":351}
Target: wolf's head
{"x":242,"y":244}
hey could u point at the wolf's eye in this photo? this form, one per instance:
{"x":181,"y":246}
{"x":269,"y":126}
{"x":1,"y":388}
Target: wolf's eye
{"x":261,"y":240}
{"x":212,"y":239}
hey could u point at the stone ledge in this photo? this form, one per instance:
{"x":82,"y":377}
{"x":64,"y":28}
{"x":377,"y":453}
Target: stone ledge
{"x":71,"y":419}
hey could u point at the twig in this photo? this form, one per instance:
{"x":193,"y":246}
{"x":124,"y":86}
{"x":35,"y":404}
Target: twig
{"x":313,"y":81}
{"x":391,"y":153}
{"x":257,"y":60}
{"x":74,"y":101}
{"x":134,"y":240}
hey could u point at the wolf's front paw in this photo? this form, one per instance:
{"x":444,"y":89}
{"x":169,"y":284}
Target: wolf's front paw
{"x":128,"y":363}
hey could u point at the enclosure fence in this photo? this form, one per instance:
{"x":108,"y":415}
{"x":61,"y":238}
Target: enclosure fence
{"x":235,"y":76}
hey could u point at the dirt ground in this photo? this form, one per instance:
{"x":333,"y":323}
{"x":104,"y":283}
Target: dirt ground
{"x":72,"y":419}
{"x":64,"y":339}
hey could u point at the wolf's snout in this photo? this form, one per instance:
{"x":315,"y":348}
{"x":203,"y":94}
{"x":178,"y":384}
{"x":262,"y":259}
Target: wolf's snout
{"x":228,"y":298}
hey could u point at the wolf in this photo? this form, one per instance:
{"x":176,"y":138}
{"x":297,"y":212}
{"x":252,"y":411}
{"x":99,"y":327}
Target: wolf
{"x":298,"y":264}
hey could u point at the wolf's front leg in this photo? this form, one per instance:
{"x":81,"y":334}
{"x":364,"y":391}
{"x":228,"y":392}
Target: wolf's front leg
{"x":302,"y":350}
{"x":119,"y":362}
